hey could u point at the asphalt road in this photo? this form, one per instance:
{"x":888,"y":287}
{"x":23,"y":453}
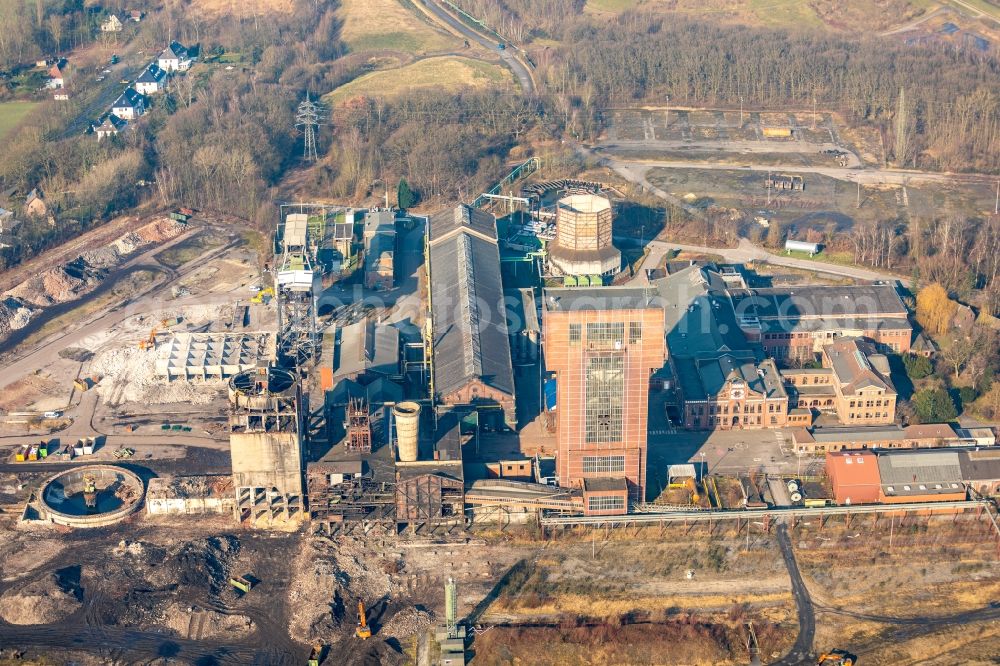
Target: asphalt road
{"x":801,"y":652}
{"x":507,"y":55}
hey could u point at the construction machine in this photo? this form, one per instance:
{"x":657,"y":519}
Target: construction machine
{"x":363,"y":630}
{"x":149,"y":342}
{"x":835,"y":658}
{"x":262,"y":296}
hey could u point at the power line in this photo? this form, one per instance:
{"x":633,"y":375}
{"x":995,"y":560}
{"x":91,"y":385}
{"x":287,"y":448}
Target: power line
{"x":309,"y":116}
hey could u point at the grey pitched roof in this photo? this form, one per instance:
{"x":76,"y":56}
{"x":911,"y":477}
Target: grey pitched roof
{"x":367,"y":346}
{"x":461,"y":217}
{"x":912,"y":469}
{"x":129,"y":98}
{"x":469,"y":326}
{"x":698,"y":314}
{"x":821,"y":301}
{"x":852,"y":368}
{"x":152,"y":74}
{"x":176,"y":50}
{"x":700,"y":378}
{"x":980,"y":465}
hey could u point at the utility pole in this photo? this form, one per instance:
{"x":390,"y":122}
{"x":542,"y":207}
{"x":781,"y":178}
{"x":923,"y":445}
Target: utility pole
{"x":814,"y":110}
{"x":996,"y":206}
{"x":741,"y":111}
{"x":768,"y":184}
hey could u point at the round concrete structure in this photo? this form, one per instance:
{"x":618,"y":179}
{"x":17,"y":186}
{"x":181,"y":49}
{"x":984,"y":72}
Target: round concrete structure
{"x":253,"y":389}
{"x":583,"y":237}
{"x":407,"y":417}
{"x":118,"y":494}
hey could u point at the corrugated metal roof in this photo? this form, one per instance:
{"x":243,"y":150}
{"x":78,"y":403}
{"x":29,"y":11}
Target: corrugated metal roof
{"x":469,"y":324}
{"x":900,"y":469}
{"x":980,"y":465}
{"x":461,"y":217}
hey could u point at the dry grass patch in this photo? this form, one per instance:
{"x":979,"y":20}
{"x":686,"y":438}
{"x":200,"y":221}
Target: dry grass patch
{"x":376,"y":25}
{"x":242,"y":8}
{"x":450,"y":73}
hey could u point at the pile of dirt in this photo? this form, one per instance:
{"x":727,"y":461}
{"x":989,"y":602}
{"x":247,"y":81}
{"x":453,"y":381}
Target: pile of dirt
{"x":55,"y":285}
{"x":13,"y":315}
{"x":406,"y":623}
{"x":159,"y":230}
{"x":49,"y":599}
{"x":205,"y":564}
{"x":330,"y":578}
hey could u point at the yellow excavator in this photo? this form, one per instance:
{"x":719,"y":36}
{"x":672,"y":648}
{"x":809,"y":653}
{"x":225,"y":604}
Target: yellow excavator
{"x":835,"y":658}
{"x":363,"y":631}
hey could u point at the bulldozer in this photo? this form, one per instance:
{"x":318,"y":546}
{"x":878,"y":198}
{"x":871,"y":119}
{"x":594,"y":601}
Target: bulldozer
{"x":836,"y":658}
{"x":363,"y":631}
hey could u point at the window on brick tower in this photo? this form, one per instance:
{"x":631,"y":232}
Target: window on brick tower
{"x":605,"y":391}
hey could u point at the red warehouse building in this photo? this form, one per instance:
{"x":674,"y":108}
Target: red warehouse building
{"x":854,"y":476}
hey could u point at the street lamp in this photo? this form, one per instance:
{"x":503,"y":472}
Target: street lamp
{"x":704,"y":465}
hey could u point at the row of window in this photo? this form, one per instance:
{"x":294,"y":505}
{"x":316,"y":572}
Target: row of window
{"x":603,"y":464}
{"x":606,"y":503}
{"x":606,"y":333}
{"x":748,"y":408}
{"x":870,"y":403}
{"x":868,"y":415}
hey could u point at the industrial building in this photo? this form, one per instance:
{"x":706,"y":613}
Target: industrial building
{"x":265,"y":441}
{"x":190,"y":495}
{"x":893,"y":477}
{"x":603,"y":345}
{"x":467,"y":328}
{"x":864,"y":394}
{"x":854,"y":477}
{"x":212,"y":356}
{"x":920,"y":476}
{"x":380,"y":249}
{"x":981,"y":471}
{"x":583,"y":243}
{"x":730,"y":391}
{"x":832,"y":439}
{"x":796,"y":322}
{"x":523,"y":326}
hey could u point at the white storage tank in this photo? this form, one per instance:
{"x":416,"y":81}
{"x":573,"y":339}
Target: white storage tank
{"x":407,"y":417}
{"x":793,"y":485}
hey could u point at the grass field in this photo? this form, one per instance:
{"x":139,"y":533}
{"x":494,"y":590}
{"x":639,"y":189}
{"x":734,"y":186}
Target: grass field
{"x":846,"y":15}
{"x":11,"y":115}
{"x":440,"y":73}
{"x":375,"y":25}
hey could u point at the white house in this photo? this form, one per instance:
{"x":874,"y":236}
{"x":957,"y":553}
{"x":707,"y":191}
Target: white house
{"x":129,"y":105}
{"x":152,"y":80}
{"x":109,"y":126}
{"x":112,"y":24}
{"x":175,"y":58}
{"x":57,"y":75}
